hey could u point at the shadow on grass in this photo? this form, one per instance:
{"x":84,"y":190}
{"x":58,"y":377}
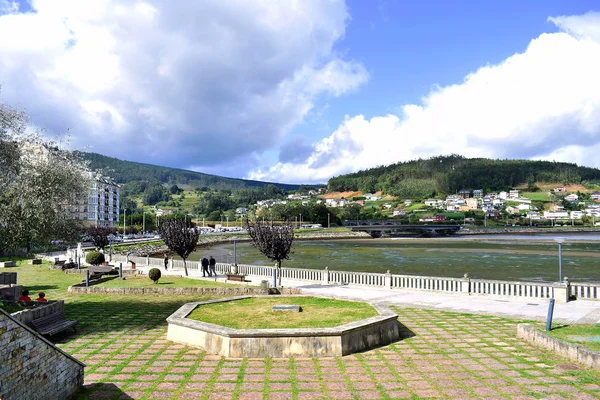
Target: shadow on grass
{"x":101,"y":391}
{"x":35,"y":288}
{"x":111,"y":315}
{"x":557,"y":327}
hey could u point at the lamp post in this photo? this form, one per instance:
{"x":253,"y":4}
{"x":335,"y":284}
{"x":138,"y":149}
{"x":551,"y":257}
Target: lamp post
{"x":560,"y":241}
{"x":143,"y":221}
{"x":328,"y":221}
{"x":124,"y":221}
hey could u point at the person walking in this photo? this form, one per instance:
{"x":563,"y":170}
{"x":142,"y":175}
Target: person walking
{"x":166,"y":261}
{"x":204,"y":263}
{"x":212,"y":262}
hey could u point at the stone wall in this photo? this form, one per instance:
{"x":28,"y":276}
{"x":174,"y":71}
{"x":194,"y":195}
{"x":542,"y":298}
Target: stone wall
{"x":33,"y":368}
{"x":565,"y":349}
{"x":200,"y":290}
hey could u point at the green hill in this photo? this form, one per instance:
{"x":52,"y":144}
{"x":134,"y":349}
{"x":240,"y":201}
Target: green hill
{"x":128,"y":171}
{"x":449,"y":174}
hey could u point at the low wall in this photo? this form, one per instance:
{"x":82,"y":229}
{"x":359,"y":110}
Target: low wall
{"x":7,"y":264}
{"x":33,"y":368}
{"x":227,"y":291}
{"x":569,"y":350}
{"x":341,"y":340}
{"x":26,"y":316}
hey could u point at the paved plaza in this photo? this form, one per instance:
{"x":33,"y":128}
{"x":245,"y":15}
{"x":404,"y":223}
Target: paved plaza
{"x":443,"y":354}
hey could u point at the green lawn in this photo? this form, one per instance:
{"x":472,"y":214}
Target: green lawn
{"x":536,"y":196}
{"x":257,"y":313}
{"x":585,"y":335}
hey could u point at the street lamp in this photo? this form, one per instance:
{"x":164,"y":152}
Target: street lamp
{"x":328,"y":221}
{"x":124,"y":221}
{"x":560,"y":241}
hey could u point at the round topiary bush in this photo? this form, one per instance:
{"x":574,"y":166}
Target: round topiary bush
{"x":154,"y":274}
{"x":94,"y":258}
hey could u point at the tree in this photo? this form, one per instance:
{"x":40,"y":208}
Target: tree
{"x":273,"y":240}
{"x":179,"y":238}
{"x":99,"y":236}
{"x":39,"y":183}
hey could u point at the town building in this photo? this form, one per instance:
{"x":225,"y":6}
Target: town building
{"x":101,"y":207}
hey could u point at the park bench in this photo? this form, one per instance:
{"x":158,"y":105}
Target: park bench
{"x":236,"y":277}
{"x":53,"y":323}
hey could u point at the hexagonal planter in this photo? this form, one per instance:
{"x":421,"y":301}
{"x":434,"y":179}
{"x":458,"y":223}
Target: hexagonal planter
{"x":299,"y":342}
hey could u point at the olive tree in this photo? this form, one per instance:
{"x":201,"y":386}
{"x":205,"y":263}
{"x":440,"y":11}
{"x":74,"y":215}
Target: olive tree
{"x":273,"y":240}
{"x":179,"y":237}
{"x":38,"y":185}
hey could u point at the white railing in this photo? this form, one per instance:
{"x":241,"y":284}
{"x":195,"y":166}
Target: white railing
{"x":426,"y":283}
{"x":512,"y":288}
{"x":587,"y":291}
{"x":465,"y":285}
{"x":357,"y":278}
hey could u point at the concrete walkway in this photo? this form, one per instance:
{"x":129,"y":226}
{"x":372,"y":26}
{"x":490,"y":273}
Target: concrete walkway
{"x":580,"y":311}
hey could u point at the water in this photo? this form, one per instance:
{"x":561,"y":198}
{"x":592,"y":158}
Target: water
{"x":502,"y":257}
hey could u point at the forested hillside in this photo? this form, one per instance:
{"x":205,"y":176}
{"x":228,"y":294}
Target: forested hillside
{"x":449,"y":174}
{"x":129,"y":171}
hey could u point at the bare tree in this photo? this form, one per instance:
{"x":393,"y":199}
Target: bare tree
{"x":99,"y":236}
{"x":273,"y":240}
{"x":179,"y":238}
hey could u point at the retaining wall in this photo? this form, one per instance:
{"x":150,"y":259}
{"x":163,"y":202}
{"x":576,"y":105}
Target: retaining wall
{"x":569,"y":350}
{"x":31,"y":367}
{"x":228,"y":291}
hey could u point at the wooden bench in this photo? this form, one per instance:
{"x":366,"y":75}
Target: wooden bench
{"x":53,"y":323}
{"x":236,"y":277}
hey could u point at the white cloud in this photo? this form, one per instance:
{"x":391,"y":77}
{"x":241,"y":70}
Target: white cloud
{"x":543,"y":103}
{"x":175,"y":83}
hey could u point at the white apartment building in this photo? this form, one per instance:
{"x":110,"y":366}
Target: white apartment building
{"x":101,"y":208}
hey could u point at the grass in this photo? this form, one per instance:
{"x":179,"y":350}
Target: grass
{"x":585,"y":335}
{"x":536,"y":196}
{"x":142,"y":281}
{"x":257,"y":313}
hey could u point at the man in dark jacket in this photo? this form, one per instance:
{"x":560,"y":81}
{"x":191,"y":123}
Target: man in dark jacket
{"x":205,"y":266}
{"x":212,"y":263}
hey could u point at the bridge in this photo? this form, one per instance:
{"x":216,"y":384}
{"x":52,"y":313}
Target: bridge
{"x":378,"y":228}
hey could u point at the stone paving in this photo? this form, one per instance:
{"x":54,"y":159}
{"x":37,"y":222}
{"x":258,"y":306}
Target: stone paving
{"x":443,"y":355}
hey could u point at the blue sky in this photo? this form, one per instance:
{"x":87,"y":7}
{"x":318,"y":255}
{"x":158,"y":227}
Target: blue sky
{"x":299,"y":91}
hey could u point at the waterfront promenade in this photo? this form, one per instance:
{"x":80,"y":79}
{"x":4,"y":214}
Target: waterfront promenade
{"x":579,"y":311}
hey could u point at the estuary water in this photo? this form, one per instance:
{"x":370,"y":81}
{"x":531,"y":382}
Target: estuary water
{"x":526,"y":257}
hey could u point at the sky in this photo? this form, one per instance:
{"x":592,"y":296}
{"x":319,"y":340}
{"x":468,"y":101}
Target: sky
{"x":299,"y":91}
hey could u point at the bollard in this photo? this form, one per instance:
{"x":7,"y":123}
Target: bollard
{"x":275,"y":278}
{"x":550,"y":312}
{"x":87,"y":278}
{"x":120,"y":270}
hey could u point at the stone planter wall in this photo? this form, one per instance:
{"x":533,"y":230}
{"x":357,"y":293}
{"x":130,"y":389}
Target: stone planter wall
{"x":569,"y":350}
{"x":225,"y":291}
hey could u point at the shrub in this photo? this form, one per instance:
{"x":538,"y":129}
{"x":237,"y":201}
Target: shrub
{"x":94,"y":258}
{"x":154,"y":274}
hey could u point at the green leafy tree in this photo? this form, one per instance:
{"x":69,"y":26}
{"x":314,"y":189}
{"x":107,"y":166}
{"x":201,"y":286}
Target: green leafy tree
{"x":38,"y":184}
